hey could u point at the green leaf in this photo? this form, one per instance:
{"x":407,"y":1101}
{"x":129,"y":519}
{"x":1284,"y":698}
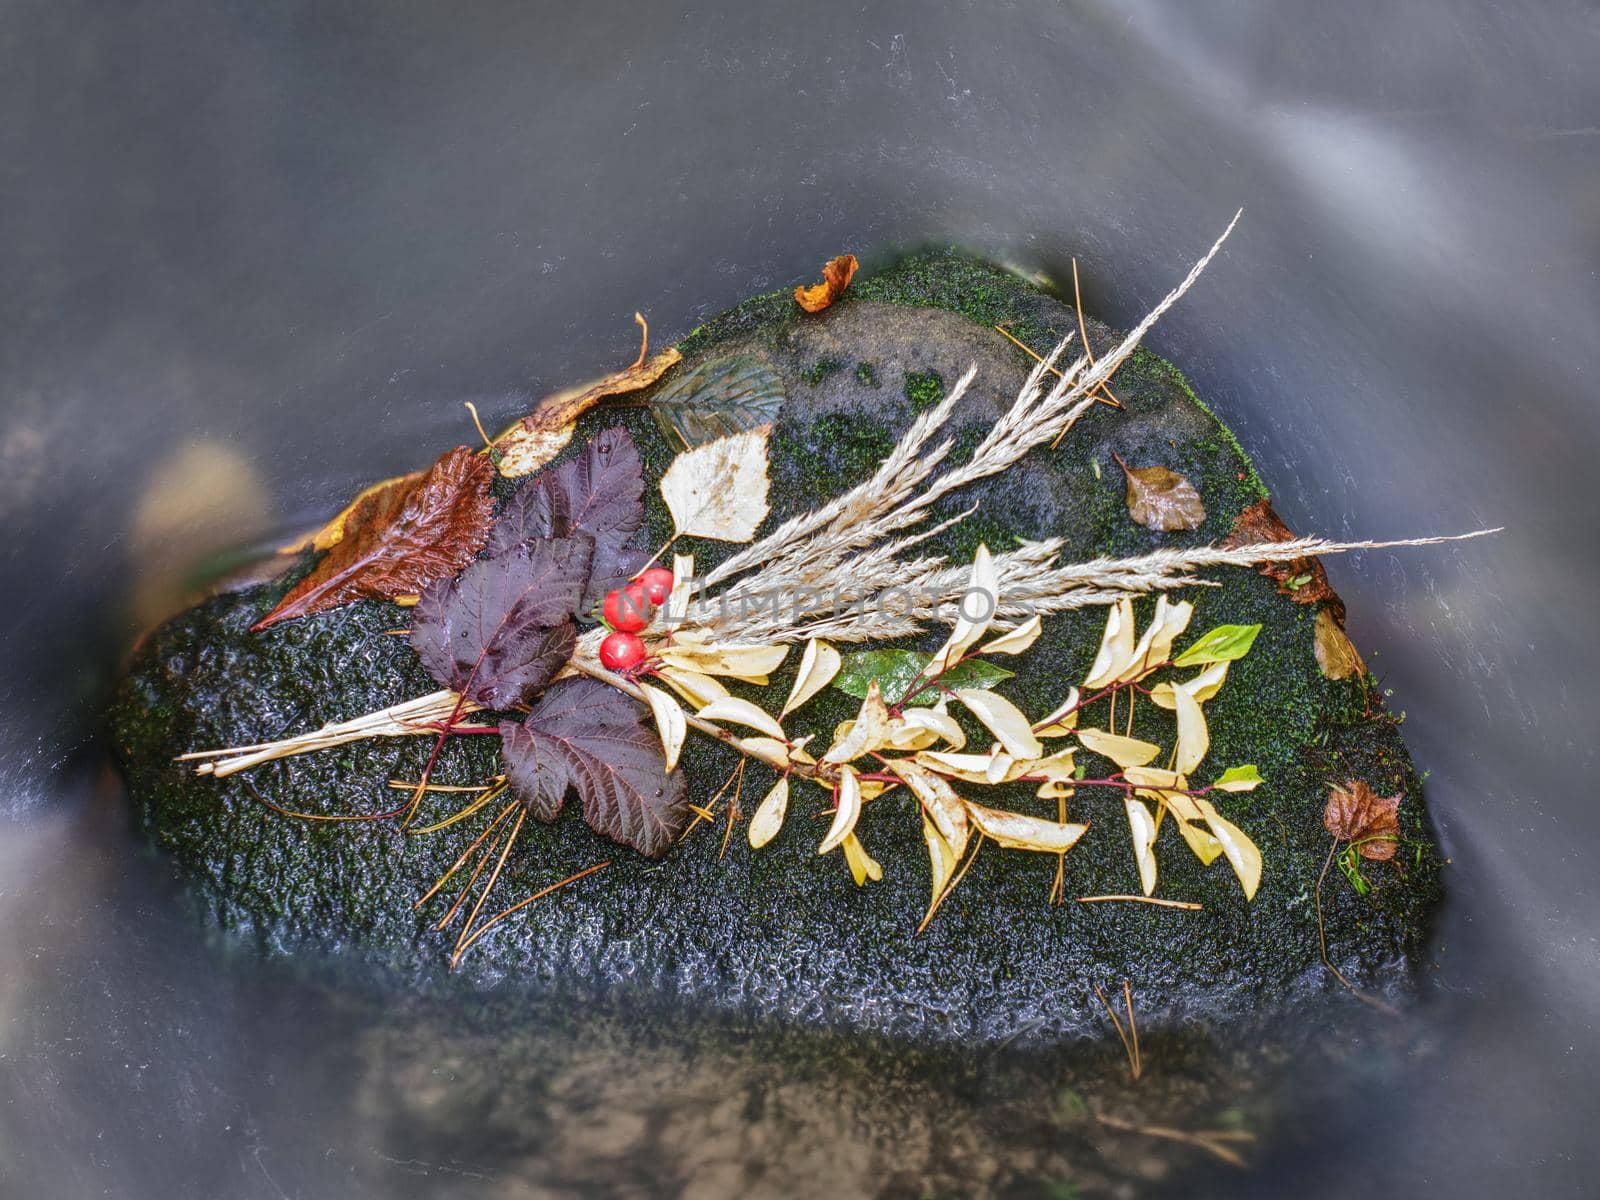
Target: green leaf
{"x":1223,"y":644}
{"x":896,"y":670}
{"x":1238,"y":779}
{"x":718,"y":398}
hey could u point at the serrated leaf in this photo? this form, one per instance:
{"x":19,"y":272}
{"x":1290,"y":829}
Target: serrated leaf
{"x":1239,"y":779}
{"x":1162,"y":499}
{"x":503,"y":629}
{"x":1003,"y":719}
{"x":599,"y":493}
{"x":541,"y":435}
{"x":1356,"y":813}
{"x":1225,"y":643}
{"x":768,"y":817}
{"x":670,"y":723}
{"x":399,"y":539}
{"x":719,"y":397}
{"x":719,"y":490}
{"x":586,"y":737}
{"x":818,"y":665}
{"x":896,"y":670}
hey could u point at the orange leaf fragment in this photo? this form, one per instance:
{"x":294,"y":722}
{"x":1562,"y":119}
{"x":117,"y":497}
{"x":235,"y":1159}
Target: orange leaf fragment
{"x":836,"y":276}
{"x":1356,"y":813}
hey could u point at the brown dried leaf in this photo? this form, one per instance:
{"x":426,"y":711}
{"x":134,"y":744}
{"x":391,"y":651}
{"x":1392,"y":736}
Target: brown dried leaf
{"x":1162,"y":499}
{"x":836,"y":276}
{"x":1337,"y":656}
{"x":1356,"y":813}
{"x":1303,"y":580}
{"x":329,"y":535}
{"x":543,"y":433}
{"x":400,"y":538}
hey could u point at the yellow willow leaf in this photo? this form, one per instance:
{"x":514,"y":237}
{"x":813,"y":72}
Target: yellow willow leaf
{"x":818,"y":665}
{"x":1143,"y":826}
{"x":905,"y":735}
{"x":1055,"y":789}
{"x":939,"y":802}
{"x":1116,"y":646}
{"x":1063,"y":721}
{"x":1057,"y":766}
{"x":719,"y":490}
{"x":847,"y":812}
{"x":699,"y":690}
{"x":1205,"y":847}
{"x":1194,"y":739}
{"x":1018,"y":640}
{"x":935,"y":721}
{"x":669,"y":722}
{"x":1155,"y":647}
{"x":941,"y":858}
{"x":862,"y":865}
{"x":1124,"y":751}
{"x":749,"y":663}
{"x":741,"y":712}
{"x":974,"y":614}
{"x":1202,"y":686}
{"x":1153,"y":777}
{"x":1021,"y":832}
{"x":972,"y":768}
{"x":768,"y":817}
{"x":868,"y":732}
{"x":1242,"y":853}
{"x":1003,"y":719}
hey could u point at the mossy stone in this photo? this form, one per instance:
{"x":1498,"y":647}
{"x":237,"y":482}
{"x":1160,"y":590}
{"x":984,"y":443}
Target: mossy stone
{"x":784,"y":934}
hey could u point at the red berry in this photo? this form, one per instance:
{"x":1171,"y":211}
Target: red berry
{"x":622,"y":651}
{"x":657,"y":584}
{"x":627,"y":609}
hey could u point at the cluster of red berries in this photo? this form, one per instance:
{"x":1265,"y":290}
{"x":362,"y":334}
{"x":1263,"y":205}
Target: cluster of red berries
{"x":628,"y":610}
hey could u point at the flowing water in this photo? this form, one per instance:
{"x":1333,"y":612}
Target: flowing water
{"x":255,"y":255}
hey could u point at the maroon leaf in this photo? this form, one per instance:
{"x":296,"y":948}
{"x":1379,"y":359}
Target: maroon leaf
{"x":503,"y":629}
{"x":600,"y":493}
{"x":587,"y":737}
{"x":400,"y":538}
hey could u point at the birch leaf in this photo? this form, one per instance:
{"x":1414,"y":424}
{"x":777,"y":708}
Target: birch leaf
{"x":1063,"y":720}
{"x":862,"y":865}
{"x":1194,"y":739}
{"x":718,"y":397}
{"x":868,"y":732}
{"x":1242,"y":853}
{"x":768,"y":817}
{"x":1018,"y":640}
{"x":1020,"y":832}
{"x":719,"y":490}
{"x":669,"y":722}
{"x":1143,"y":827}
{"x":1162,"y":499}
{"x":1124,"y":751}
{"x":1116,"y":646}
{"x":818,"y":665}
{"x":544,"y":433}
{"x":1003,"y":719}
{"x":741,"y":712}
{"x":847,"y":812}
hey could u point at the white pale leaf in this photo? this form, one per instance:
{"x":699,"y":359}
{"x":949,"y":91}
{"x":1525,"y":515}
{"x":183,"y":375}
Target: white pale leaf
{"x":1124,"y":751}
{"x":1202,"y":687}
{"x":769,"y":814}
{"x":922,"y":728}
{"x":847,"y":812}
{"x":868,"y":732}
{"x":1143,"y":827}
{"x":682,"y":593}
{"x":1018,"y":640}
{"x":941,"y":859}
{"x":1021,"y":832}
{"x":1001,"y":764}
{"x":741,"y":712}
{"x":669,"y":722}
{"x":699,"y":690}
{"x":939,"y":801}
{"x":1155,"y":647}
{"x":862,"y":865}
{"x":1242,"y":853}
{"x":1194,"y":739}
{"x":971,"y":768}
{"x":1063,"y":721}
{"x":1057,"y":766}
{"x":749,"y":663}
{"x":818,"y":665}
{"x":981,"y":600}
{"x":1003,"y":719}
{"x":719,"y":490}
{"x":1116,"y":646}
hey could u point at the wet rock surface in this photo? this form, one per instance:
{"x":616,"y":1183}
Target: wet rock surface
{"x":784,"y":934}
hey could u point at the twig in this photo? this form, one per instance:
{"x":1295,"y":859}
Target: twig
{"x":1128,"y":1037}
{"x":1186,"y":905}
{"x":521,"y":904}
{"x":1212,"y":1141}
{"x":1322,"y":941}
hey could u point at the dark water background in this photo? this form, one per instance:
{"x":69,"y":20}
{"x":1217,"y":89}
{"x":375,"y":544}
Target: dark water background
{"x":252,"y":255}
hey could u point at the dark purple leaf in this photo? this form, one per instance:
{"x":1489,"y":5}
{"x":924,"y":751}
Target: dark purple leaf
{"x":587,"y":737}
{"x":501,"y":631}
